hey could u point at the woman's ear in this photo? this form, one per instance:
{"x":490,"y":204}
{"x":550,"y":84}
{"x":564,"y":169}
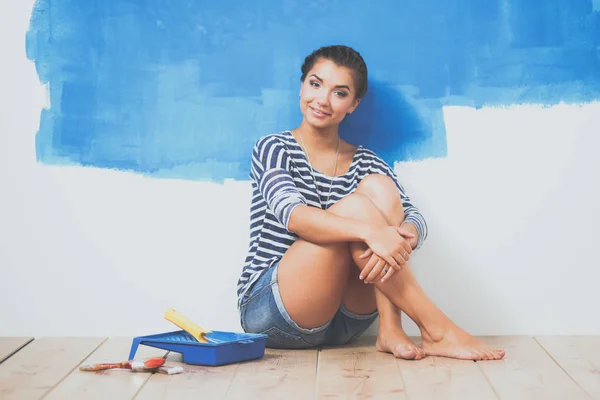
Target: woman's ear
{"x":353,"y":107}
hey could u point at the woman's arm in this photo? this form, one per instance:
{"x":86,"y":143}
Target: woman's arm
{"x":319,"y":226}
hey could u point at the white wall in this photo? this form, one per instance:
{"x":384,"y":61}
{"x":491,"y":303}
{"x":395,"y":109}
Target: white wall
{"x":512,"y":213}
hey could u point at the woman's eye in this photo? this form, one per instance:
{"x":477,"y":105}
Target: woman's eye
{"x":341,"y":94}
{"x":314,"y":84}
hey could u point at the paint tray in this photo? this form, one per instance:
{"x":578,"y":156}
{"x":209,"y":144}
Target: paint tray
{"x":222,"y":348}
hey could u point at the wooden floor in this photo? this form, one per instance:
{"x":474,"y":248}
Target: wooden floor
{"x":564,"y":367}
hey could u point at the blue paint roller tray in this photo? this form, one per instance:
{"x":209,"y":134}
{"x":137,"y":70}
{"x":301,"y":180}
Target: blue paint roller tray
{"x":223,"y":347}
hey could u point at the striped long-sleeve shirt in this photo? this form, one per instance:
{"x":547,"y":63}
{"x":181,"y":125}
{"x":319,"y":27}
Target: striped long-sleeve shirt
{"x":281,"y":180}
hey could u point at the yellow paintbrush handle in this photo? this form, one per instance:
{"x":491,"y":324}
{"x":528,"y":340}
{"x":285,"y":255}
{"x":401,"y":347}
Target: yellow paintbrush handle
{"x":187,"y":325}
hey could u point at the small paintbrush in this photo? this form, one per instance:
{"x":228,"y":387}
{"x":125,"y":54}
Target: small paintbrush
{"x":149,"y":364}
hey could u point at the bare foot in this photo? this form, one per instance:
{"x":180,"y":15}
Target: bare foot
{"x":454,"y":342}
{"x":397,"y":343}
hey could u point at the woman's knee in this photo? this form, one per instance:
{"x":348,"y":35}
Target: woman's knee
{"x":357,"y":206}
{"x":376,"y":185}
{"x":383,"y":192}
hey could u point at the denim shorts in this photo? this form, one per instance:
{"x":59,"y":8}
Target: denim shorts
{"x":262,"y":311}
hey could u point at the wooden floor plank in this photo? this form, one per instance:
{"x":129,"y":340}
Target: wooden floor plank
{"x":195,"y":382}
{"x":110,"y":384}
{"x":358,"y":371}
{"x":281,"y":374}
{"x":37,"y":368}
{"x":10,"y":345}
{"x":527,"y":372}
{"x":579,"y":356}
{"x":442,"y":378}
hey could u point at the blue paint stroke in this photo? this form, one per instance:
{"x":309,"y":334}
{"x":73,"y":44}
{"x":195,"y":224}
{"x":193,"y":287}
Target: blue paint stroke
{"x":182,"y":89}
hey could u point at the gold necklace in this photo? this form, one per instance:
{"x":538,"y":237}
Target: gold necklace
{"x":312,"y":173}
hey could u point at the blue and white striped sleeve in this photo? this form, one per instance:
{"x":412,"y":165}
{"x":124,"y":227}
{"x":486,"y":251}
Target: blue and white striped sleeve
{"x":411,"y":212}
{"x":270,"y":170}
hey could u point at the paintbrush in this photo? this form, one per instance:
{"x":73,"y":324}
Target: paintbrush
{"x":149,"y":364}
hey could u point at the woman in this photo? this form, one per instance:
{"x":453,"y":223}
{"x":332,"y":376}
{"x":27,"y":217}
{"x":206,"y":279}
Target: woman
{"x":332,"y":232}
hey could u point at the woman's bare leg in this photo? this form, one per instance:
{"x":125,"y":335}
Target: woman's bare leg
{"x":313,"y":279}
{"x":363,"y":299}
{"x":440,"y":335}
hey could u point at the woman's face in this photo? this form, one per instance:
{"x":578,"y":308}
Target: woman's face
{"x":327,"y":94}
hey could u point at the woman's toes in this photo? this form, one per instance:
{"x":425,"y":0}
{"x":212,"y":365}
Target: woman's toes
{"x":420,"y":354}
{"x":487,"y":354}
{"x":405,"y":352}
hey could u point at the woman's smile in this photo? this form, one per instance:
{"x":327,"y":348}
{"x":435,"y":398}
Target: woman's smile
{"x":318,"y":113}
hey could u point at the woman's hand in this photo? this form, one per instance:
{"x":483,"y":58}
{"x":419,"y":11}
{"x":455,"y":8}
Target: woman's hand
{"x":375,"y":264}
{"x":389,"y":250}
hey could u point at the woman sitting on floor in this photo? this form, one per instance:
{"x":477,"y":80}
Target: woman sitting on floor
{"x":332,"y":231}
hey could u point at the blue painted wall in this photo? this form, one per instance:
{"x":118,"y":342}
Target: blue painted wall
{"x":184,"y":88}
